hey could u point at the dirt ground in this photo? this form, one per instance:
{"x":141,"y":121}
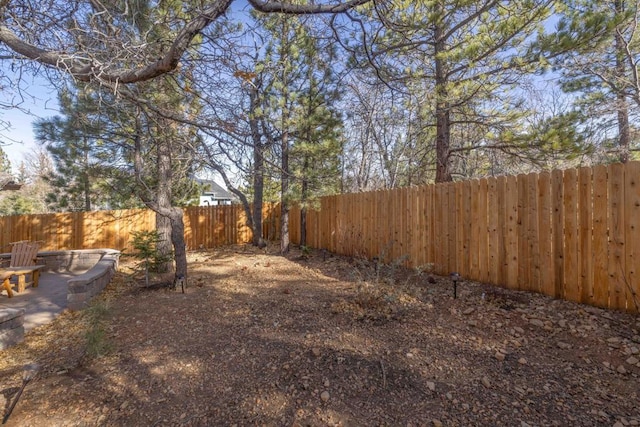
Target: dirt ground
{"x":313,"y":339}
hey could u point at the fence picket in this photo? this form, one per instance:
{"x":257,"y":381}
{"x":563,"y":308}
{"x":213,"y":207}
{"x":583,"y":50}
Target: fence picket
{"x":512,"y":232}
{"x":600,"y":258}
{"x":466,"y":229}
{"x":501,"y":231}
{"x":545,"y":237}
{"x":492,"y":227}
{"x":571,"y":285}
{"x":632,"y":235}
{"x":557,"y":226}
{"x":483,"y":235}
{"x":585,"y":234}
{"x":617,"y":261}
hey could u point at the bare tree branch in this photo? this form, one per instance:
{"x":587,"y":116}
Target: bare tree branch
{"x":84,"y":67}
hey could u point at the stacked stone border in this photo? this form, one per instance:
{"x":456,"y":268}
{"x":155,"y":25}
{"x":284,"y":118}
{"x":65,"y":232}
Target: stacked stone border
{"x":11,"y":327}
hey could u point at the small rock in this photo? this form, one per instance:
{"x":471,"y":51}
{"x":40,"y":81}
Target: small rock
{"x":563,"y":345}
{"x":431,"y":385}
{"x":469,"y":310}
{"x":486,"y":382}
{"x":537,"y":322}
{"x":409,"y":355}
{"x":436,"y":423}
{"x":326,"y":383}
{"x":522,"y":361}
{"x":621,"y":370}
{"x":632,"y":361}
{"x":325,"y":396}
{"x":500,"y":356}
{"x":614,"y":342}
{"x":562,"y":323}
{"x":473,"y":323}
{"x":618,"y":424}
{"x":315,"y":351}
{"x":519,"y":330}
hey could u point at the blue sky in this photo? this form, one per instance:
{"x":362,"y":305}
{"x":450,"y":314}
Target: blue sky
{"x":35,"y":100}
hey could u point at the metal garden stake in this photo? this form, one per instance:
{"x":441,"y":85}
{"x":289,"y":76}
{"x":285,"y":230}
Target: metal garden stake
{"x":455,"y":277}
{"x":30,"y":371}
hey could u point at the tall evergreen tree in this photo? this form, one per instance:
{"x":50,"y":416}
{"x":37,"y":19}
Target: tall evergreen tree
{"x":79,"y":142}
{"x":300,"y":102}
{"x":598,"y":47}
{"x":459,"y":60}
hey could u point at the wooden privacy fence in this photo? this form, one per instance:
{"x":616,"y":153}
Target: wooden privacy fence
{"x":572,"y":234}
{"x":205,"y":227}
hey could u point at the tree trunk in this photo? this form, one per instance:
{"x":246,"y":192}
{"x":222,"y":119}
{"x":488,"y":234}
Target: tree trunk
{"x":284,"y":181}
{"x":162,"y":203}
{"x":87,"y":192}
{"x":179,"y":246}
{"x":258,"y":194}
{"x":284,"y":198}
{"x":304,"y":195}
{"x":624,"y":136}
{"x":443,"y":116}
{"x":86,"y":182}
{"x":163,"y":227}
{"x":163,"y":199}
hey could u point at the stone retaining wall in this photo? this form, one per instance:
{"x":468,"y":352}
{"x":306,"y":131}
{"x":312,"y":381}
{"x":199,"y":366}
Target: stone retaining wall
{"x":11,"y":327}
{"x":84,"y":287}
{"x":65,"y":261}
{"x":77,"y":260}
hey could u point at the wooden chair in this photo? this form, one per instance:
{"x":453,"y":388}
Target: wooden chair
{"x":23,"y":253}
{"x":22,"y":263}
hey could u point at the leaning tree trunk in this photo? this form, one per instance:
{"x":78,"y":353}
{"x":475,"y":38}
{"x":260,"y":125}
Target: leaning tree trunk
{"x":161,"y":205}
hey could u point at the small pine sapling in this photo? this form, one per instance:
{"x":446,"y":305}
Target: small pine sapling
{"x":145,"y":244}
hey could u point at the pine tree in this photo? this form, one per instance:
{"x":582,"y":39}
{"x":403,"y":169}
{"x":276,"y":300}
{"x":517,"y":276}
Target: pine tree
{"x":299,"y":99}
{"x":597,"y":44}
{"x":459,"y":60}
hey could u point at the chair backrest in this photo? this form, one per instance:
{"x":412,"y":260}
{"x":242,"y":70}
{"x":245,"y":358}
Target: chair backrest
{"x":23,"y":253}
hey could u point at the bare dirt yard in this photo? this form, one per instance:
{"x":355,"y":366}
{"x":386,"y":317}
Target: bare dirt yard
{"x":318,"y":340}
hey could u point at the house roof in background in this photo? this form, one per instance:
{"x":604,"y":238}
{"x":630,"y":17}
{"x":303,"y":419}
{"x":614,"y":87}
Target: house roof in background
{"x":10,"y":185}
{"x":213,"y":188}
